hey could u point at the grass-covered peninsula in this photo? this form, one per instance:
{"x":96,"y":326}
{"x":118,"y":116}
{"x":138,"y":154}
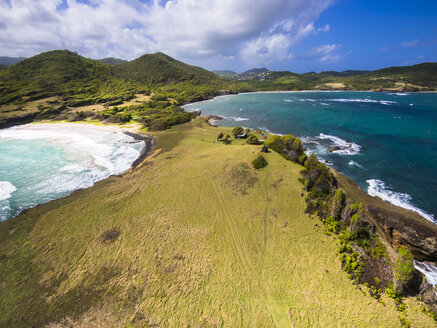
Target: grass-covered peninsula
{"x":206,"y":231}
{"x":194,"y":236}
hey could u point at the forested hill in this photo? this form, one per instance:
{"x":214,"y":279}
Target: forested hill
{"x":61,"y":84}
{"x":160,"y":68}
{"x":421,"y":77}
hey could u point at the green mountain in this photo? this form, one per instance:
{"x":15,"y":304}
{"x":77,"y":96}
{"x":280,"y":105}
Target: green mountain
{"x":8,"y":61}
{"x":226,"y":73}
{"x":65,"y":74}
{"x":422,"y":77}
{"x":159,"y":68}
{"x":111,"y":61}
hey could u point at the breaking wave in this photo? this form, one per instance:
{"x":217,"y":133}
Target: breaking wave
{"x":378,"y":188}
{"x":236,"y":119}
{"x":6,"y":190}
{"x":90,"y":155}
{"x":365,"y":100}
{"x":353,"y":163}
{"x":429,"y":271}
{"x":341,"y":146}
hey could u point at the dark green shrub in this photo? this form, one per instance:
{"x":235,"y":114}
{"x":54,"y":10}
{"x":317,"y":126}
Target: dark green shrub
{"x":302,"y":159}
{"x":288,"y":146}
{"x":220,"y":136}
{"x":252,"y":140}
{"x":238,"y":130}
{"x":404,"y":266}
{"x":338,"y":203}
{"x":259,"y":162}
{"x":227,"y":140}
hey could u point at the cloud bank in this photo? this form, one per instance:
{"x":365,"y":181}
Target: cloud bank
{"x":251,"y":31}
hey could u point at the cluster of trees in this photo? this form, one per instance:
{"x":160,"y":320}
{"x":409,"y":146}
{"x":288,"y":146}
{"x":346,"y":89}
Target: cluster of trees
{"x":289,"y":147}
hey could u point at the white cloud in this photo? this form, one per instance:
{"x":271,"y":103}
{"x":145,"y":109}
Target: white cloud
{"x":324,"y":53}
{"x":409,"y":44}
{"x":253,"y":30}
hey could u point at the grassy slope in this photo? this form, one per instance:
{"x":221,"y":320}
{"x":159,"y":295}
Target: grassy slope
{"x":205,"y":241}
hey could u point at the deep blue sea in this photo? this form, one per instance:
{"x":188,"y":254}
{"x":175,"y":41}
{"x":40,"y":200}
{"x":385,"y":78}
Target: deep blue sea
{"x":385,"y":142}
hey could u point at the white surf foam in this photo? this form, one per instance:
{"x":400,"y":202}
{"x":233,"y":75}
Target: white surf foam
{"x":94,"y":154}
{"x":288,"y":100}
{"x":345,"y":147}
{"x":113,"y":151}
{"x":356,"y":164}
{"x":270,"y":132}
{"x":378,"y":188}
{"x":236,"y":119}
{"x":6,"y":190}
{"x":364,"y":100}
{"x":429,"y":271}
{"x":324,"y":104}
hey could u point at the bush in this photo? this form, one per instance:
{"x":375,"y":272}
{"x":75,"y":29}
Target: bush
{"x":288,"y":146}
{"x":338,"y":203}
{"x":227,"y":140}
{"x":236,"y":131}
{"x":220,"y":136}
{"x":404,"y":266}
{"x":259,"y":162}
{"x":252,"y":140}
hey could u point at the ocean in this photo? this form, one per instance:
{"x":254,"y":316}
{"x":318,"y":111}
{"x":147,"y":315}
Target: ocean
{"x":385,"y":142}
{"x":43,"y":162}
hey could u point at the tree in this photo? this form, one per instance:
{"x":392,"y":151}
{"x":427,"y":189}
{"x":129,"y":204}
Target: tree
{"x":259,"y":162}
{"x":252,"y":140}
{"x":227,"y":140}
{"x":404,"y":267}
{"x":236,"y":131}
{"x":288,"y":146}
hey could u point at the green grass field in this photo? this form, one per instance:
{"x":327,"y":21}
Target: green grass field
{"x":204,"y":240}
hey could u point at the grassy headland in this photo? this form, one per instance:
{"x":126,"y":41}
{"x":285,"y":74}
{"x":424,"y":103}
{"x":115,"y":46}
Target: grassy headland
{"x":194,"y":236}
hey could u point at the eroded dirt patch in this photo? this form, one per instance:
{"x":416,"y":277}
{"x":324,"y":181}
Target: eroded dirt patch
{"x":241,"y":177}
{"x":110,"y":236}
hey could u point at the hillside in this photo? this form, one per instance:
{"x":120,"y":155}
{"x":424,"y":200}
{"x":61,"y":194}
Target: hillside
{"x":193,"y":237}
{"x":63,"y":85}
{"x":226,"y":73}
{"x":64,"y":74}
{"x":8,"y":61}
{"x":159,"y":68}
{"x":111,"y":61}
{"x":420,"y":77}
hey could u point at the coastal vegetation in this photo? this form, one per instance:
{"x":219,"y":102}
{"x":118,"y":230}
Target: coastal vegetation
{"x":58,"y":84}
{"x":136,"y":252}
{"x":270,"y":241}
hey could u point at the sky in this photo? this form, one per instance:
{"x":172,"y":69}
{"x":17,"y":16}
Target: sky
{"x":294,"y":35}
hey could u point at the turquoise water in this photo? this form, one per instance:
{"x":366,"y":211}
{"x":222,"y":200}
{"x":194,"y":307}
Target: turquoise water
{"x":39,"y":163}
{"x":385,"y":142}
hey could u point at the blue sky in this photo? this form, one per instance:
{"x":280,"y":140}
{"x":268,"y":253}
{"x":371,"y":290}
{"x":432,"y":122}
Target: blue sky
{"x":375,"y":34}
{"x":295,"y":35}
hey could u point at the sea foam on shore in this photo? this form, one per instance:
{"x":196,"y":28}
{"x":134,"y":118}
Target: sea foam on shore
{"x":42,"y":162}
